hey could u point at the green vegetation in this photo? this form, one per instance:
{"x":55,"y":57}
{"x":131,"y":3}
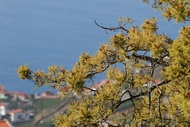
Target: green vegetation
{"x":25,"y":124}
{"x":30,"y":123}
{"x":46,"y":104}
{"x":45,"y":123}
{"x":43,"y":107}
{"x":140,"y":50}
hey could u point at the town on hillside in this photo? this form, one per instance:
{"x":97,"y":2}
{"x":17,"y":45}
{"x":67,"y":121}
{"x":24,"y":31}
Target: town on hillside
{"x":20,"y":107}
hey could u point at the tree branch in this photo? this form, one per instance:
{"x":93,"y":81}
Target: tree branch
{"x":132,"y":96}
{"x":111,"y":28}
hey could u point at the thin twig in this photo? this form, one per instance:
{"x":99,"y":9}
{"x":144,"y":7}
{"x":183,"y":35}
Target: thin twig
{"x":111,"y":28}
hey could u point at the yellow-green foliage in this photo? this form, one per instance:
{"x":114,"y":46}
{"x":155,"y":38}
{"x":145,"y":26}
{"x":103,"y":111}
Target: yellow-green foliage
{"x":132,"y":95}
{"x":24,"y":72}
{"x":173,"y":9}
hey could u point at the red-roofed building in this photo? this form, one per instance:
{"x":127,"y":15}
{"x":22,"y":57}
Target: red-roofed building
{"x":1,"y":87}
{"x":46,"y":94}
{"x":15,"y":111}
{"x":20,"y":95}
{"x":5,"y":123}
{"x":98,"y":84}
{"x":104,"y":81}
{"x":18,"y":116}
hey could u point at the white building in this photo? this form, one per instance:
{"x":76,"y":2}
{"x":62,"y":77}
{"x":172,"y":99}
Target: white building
{"x":20,"y":95}
{"x":3,"y":93}
{"x":18,"y":116}
{"x":3,"y":109}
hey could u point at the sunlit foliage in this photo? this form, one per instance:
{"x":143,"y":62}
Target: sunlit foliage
{"x":133,"y":95}
{"x":172,"y":9}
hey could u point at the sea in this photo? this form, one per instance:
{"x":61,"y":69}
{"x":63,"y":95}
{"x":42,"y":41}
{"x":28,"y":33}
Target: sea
{"x":42,"y":33}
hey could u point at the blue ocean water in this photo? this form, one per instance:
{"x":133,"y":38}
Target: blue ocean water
{"x":47,"y":32}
